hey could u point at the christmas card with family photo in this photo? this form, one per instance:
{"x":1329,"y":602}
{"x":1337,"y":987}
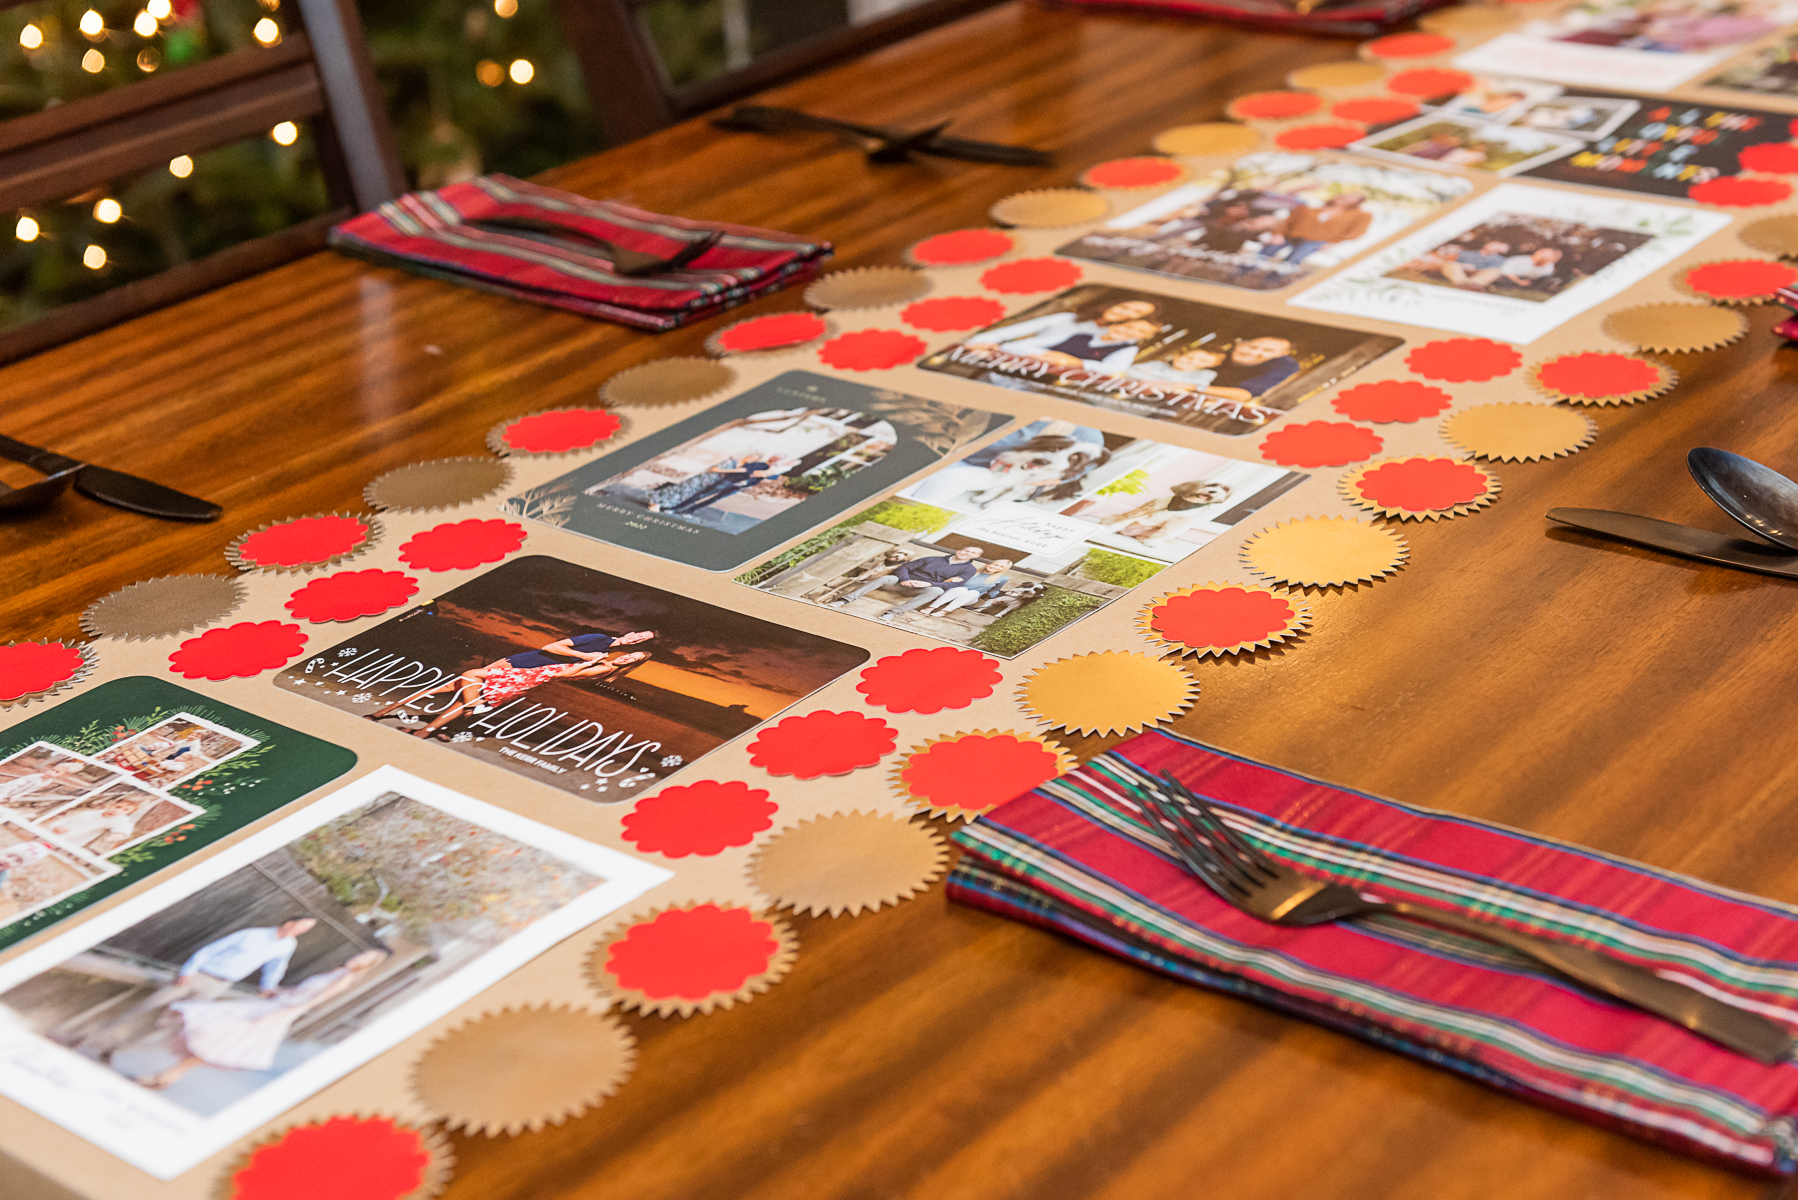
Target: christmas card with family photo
{"x":1019,"y":539}
{"x":1194,"y":364}
{"x":583,"y":681}
{"x":170,"y":1026}
{"x":1268,"y":220}
{"x":1515,"y":263}
{"x":723,"y":487}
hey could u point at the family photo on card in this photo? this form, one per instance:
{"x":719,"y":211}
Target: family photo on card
{"x":1019,"y":539}
{"x":172,"y":1025}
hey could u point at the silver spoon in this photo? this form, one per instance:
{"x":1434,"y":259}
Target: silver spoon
{"x":1759,"y":497}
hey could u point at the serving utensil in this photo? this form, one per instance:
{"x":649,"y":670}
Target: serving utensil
{"x":1757,"y":496}
{"x":97,"y":483}
{"x":1248,"y":879}
{"x":883,"y":145}
{"x":623,"y":260}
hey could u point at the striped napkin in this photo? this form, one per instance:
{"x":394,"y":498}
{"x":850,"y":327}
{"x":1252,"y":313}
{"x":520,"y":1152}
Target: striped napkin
{"x":1075,"y":856}
{"x":441,"y":234}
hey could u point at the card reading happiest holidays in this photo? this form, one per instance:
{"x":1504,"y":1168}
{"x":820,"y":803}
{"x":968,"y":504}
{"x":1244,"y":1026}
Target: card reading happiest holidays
{"x":1150,"y":355}
{"x":168,"y":1027}
{"x":114,"y":784}
{"x":733,"y":482}
{"x":1647,"y":45}
{"x":580,"y":680}
{"x":1268,"y":220}
{"x":1515,"y":263}
{"x":1019,"y":539}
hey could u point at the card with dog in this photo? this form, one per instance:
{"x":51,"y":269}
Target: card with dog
{"x":1268,"y":220}
{"x":576,"y":679}
{"x":1150,"y":355}
{"x":1023,"y":537}
{"x":723,"y":487}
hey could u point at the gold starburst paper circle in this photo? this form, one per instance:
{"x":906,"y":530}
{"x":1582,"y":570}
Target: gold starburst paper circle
{"x":166,"y":606}
{"x":847,"y":863}
{"x":1423,"y":487}
{"x":1336,"y":76}
{"x":1110,"y":691}
{"x":439,"y":483}
{"x":1050,"y":208}
{"x":1324,"y":552}
{"x":1221,"y":618}
{"x":692,"y":958}
{"x":523,"y":1068}
{"x":1213,"y":138}
{"x":272,"y":1164}
{"x":962,"y":775}
{"x":1772,"y":235}
{"x":868,"y":287}
{"x":666,"y":381}
{"x":1676,"y":328}
{"x":1519,"y":432}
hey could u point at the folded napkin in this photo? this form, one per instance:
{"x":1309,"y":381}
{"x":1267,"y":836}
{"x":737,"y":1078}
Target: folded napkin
{"x":555,"y":260}
{"x":1075,"y":856}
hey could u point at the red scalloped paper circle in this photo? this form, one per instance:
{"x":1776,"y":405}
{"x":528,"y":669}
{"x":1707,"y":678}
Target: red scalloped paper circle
{"x":959,"y":247}
{"x":1320,"y":444}
{"x":351,"y":594}
{"x":871,"y":350}
{"x":928,"y":681}
{"x":1319,"y":137}
{"x":1596,"y":373}
{"x":1409,"y":45}
{"x":1391,"y":400}
{"x":977,"y":770}
{"x":345,"y":1158}
{"x":31,"y":667}
{"x":1148,"y":171}
{"x":1464,"y":360}
{"x":822,"y":743}
{"x":946,"y":313}
{"x":1031,"y":275}
{"x":560,"y":432}
{"x":458,"y":545}
{"x":303,"y":540}
{"x":1220,"y":616}
{"x":692,"y":953}
{"x":1428,"y":82}
{"x":771,"y":332}
{"x":1273,"y":106}
{"x":1733,"y":191}
{"x":238,"y":651}
{"x":701,"y":818}
{"x":1375,"y":110}
{"x":1424,"y":484}
{"x":1740,"y":278}
{"x":1775,"y":158}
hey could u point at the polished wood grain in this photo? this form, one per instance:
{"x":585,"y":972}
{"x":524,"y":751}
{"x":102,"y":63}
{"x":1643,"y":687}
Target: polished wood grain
{"x":1580,"y":689}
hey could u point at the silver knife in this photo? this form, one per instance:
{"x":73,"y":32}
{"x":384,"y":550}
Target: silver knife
{"x":113,"y":487}
{"x":1683,"y":540}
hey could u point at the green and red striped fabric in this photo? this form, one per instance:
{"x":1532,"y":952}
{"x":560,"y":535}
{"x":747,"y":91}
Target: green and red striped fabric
{"x":458,"y":233}
{"x":1076,"y":857}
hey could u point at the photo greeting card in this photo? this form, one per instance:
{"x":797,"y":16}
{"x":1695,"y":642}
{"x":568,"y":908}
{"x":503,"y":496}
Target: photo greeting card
{"x":1515,"y":263}
{"x":1770,"y":71}
{"x":167,"y":1028}
{"x":1268,"y":220}
{"x":1012,"y":543}
{"x":573,"y":678}
{"x":733,"y":482}
{"x":109,"y":787}
{"x":1647,"y":45}
{"x":1150,"y":355}
{"x":1467,"y":143}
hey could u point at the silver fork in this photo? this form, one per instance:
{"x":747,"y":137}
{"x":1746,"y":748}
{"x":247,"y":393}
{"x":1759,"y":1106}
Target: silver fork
{"x":1245,"y":877}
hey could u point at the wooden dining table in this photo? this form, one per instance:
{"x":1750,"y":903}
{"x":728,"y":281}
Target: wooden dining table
{"x":1514,"y":671}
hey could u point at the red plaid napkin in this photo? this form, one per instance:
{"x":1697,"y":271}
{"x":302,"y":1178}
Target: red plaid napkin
{"x":440,"y":234}
{"x":1076,"y":856}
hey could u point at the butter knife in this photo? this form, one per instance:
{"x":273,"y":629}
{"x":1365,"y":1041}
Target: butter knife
{"x":113,"y":487}
{"x":1682,"y":540}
